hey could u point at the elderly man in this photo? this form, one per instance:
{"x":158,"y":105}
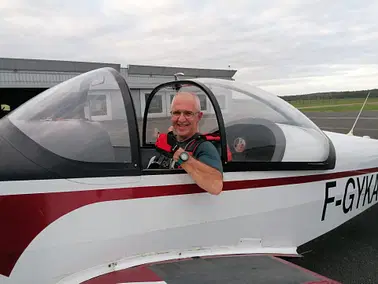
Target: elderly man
{"x":204,"y":165}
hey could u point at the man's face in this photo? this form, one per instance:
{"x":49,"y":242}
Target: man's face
{"x":185,"y":115}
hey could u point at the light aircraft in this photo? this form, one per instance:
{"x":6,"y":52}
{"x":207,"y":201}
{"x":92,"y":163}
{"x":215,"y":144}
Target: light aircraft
{"x":78,"y":203}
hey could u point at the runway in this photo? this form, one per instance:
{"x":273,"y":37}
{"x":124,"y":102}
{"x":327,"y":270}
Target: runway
{"x":348,"y":254}
{"x":342,"y":122}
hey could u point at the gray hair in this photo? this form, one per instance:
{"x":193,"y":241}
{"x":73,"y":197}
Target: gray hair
{"x":196,"y":98}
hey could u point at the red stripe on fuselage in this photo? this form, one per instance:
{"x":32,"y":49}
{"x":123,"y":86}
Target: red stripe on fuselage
{"x":24,"y":216}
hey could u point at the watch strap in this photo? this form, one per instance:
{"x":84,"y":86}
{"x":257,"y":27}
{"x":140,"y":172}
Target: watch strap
{"x":179,"y":162}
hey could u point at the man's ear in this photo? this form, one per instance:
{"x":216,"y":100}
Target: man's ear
{"x":200,"y":114}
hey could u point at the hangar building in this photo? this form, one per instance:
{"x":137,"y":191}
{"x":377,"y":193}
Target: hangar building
{"x":22,"y":79}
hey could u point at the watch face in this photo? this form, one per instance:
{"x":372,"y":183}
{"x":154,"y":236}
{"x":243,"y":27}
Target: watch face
{"x":184,"y":156}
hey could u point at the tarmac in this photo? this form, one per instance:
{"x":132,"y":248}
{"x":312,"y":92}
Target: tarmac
{"x":348,"y":254}
{"x":342,"y":122}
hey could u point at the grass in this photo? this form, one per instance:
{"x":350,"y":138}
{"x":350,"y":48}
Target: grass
{"x":341,"y":108}
{"x":336,"y":105}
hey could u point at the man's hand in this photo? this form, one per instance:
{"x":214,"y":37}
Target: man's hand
{"x":177,"y":154}
{"x":205,"y":176}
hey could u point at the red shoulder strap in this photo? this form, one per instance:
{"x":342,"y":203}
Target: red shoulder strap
{"x":211,"y":136}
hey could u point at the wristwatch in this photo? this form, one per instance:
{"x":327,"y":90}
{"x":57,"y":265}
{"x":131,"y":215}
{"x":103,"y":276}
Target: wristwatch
{"x":184,"y":156}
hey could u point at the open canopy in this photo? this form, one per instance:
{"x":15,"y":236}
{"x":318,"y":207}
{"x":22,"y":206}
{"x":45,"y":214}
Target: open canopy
{"x":255,"y":125}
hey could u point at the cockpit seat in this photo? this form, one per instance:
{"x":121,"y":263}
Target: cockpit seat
{"x":87,"y":141}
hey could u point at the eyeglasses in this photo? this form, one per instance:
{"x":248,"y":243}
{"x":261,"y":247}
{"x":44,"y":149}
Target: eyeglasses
{"x":186,"y":113}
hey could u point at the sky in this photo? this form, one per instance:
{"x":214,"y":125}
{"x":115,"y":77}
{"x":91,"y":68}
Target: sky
{"x":283,"y":46}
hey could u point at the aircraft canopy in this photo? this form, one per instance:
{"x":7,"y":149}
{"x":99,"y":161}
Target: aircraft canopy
{"x":90,"y":126}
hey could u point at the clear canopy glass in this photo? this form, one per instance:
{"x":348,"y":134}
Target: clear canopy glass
{"x":266,"y":126}
{"x":82,"y":119}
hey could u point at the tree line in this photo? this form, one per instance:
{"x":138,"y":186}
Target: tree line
{"x":332,"y":95}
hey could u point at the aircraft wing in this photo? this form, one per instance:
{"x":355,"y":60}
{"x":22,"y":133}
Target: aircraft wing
{"x":216,"y":269}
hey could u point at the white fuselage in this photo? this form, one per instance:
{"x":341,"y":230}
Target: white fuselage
{"x":270,"y":211}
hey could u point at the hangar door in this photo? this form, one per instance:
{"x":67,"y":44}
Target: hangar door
{"x":11,"y":98}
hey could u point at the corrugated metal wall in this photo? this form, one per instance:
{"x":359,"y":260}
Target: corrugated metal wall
{"x":38,"y":79}
{"x":32,"y":79}
{"x":30,"y":73}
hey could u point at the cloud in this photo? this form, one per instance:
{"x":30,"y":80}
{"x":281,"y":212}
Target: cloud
{"x":284,"y":46}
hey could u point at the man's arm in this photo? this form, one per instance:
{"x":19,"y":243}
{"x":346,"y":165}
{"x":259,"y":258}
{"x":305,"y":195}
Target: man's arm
{"x":206,"y":177}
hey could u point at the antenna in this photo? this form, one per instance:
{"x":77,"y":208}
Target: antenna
{"x":178,"y":74}
{"x":177,"y":87}
{"x":358,"y":116}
